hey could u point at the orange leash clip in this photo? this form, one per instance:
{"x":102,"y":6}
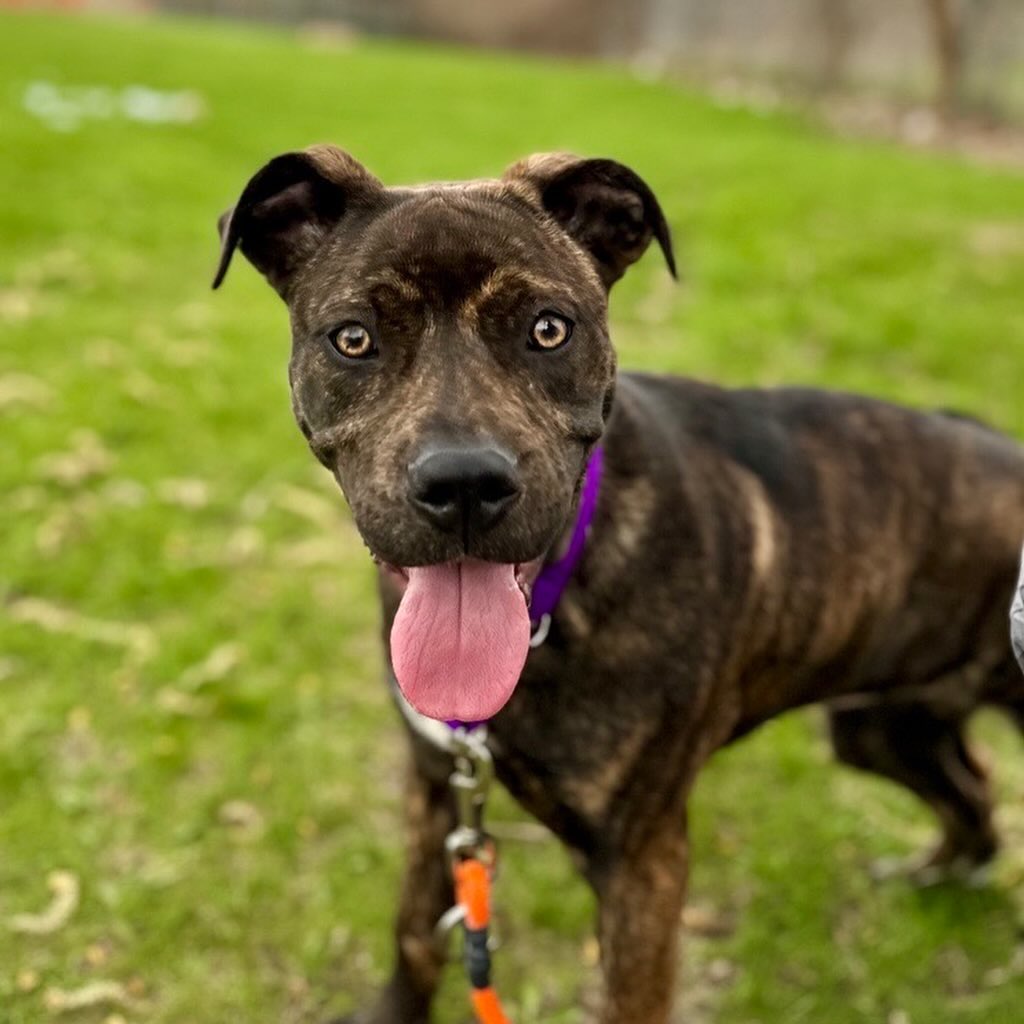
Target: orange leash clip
{"x":472,"y":856}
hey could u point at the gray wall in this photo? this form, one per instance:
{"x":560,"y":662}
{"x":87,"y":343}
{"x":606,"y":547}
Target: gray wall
{"x":885,"y":45}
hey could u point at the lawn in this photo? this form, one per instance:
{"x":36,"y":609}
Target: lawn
{"x":192,"y":723}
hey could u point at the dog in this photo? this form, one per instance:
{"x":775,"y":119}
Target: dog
{"x":751,"y":551}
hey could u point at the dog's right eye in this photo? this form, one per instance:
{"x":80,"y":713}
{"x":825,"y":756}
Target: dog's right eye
{"x":353,"y":341}
{"x":550,"y":331}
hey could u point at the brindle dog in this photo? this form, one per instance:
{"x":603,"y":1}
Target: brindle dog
{"x":752,"y":551}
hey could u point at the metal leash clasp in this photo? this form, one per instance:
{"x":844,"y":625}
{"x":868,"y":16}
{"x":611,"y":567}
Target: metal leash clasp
{"x":540,"y":633}
{"x":470,"y":783}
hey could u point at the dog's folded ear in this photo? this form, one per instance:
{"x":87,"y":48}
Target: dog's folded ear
{"x":289,"y":207}
{"x":606,"y":208}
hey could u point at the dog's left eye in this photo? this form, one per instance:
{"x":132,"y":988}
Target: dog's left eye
{"x":550,"y":331}
{"x":353,"y":341}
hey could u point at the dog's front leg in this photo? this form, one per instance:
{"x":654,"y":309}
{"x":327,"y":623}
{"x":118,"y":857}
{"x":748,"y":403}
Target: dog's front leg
{"x":640,"y":893}
{"x":426,"y":893}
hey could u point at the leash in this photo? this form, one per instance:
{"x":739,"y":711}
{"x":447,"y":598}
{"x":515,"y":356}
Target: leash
{"x":472,"y":857}
{"x":473,"y":853}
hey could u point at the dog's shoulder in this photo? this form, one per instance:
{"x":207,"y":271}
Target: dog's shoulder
{"x":758,"y":429}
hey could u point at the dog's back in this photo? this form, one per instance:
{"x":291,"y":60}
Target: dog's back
{"x":860,"y":545}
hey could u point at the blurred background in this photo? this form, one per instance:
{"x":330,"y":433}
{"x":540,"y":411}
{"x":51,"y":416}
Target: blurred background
{"x":199,"y":764}
{"x":959,"y":57}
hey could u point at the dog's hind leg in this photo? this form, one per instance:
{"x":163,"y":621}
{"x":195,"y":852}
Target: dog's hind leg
{"x":926,"y":752}
{"x":1005,"y":690}
{"x":426,"y":894}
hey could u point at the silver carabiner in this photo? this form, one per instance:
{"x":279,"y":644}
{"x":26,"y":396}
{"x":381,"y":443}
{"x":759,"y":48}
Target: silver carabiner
{"x":472,"y":778}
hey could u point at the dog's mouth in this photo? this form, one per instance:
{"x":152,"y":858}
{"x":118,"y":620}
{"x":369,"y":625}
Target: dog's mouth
{"x":461,"y":635}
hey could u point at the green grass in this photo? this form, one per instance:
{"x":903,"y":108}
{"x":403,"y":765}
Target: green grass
{"x":158,"y":505}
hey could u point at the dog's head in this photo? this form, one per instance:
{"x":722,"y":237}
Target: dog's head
{"x":451,"y":363}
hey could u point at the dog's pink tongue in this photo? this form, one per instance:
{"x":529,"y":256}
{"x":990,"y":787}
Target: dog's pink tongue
{"x":460,"y":639}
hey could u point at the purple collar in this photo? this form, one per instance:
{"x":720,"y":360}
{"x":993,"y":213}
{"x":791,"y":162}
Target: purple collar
{"x":552,"y":580}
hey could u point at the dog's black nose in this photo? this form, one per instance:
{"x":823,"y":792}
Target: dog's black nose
{"x":463,"y":490}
